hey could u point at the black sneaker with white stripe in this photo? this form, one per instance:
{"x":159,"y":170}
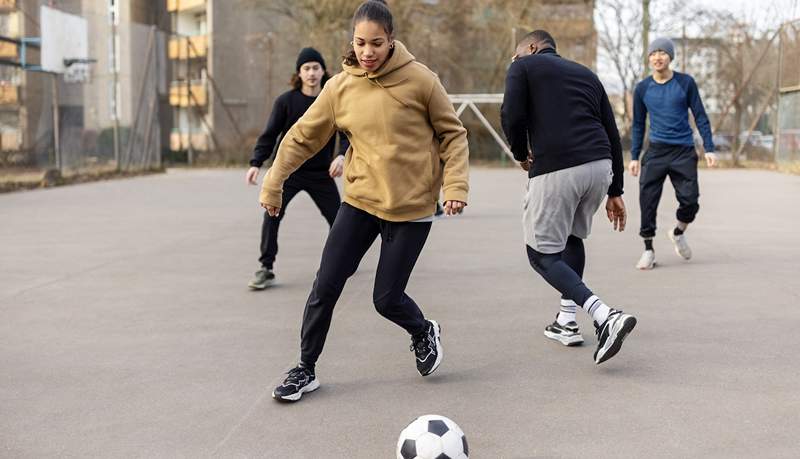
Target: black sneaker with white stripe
{"x":427,"y":348}
{"x":568,"y":334}
{"x":299,"y":380}
{"x":611,"y":334}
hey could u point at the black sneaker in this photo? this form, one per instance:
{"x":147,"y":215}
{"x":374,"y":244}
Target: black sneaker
{"x":427,"y":348}
{"x":611,"y":334}
{"x":299,"y":381}
{"x":568,"y":335}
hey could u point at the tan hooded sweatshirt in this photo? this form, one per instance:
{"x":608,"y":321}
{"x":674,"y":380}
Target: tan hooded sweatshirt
{"x":406,"y":140}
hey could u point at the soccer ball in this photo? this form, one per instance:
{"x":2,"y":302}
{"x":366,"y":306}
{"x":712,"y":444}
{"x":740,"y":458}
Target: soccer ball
{"x":432,"y":437}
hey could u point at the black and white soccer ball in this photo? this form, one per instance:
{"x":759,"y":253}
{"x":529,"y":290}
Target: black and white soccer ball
{"x":432,"y":437}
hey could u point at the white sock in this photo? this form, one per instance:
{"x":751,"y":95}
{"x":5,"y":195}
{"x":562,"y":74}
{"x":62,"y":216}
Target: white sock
{"x":567,"y":312}
{"x":597,"y":309}
{"x":682,"y":226}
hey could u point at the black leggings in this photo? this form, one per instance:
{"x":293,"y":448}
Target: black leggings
{"x":323,"y":192}
{"x":352,"y":234}
{"x":564,"y":270}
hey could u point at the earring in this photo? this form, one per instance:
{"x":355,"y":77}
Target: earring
{"x":391,"y":46}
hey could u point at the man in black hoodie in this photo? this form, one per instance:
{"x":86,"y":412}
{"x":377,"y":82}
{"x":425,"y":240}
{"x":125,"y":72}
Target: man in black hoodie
{"x":561,"y":128}
{"x":315,"y":176}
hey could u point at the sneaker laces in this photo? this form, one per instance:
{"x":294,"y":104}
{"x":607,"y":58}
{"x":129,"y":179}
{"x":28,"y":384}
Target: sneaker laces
{"x":599,"y":328}
{"x":421,"y":344}
{"x":296,"y":374}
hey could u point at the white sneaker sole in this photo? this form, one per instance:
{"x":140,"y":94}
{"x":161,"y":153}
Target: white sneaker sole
{"x":439,"y":349}
{"x":687,"y":254}
{"x":646,"y":267}
{"x":619,"y":331}
{"x":574,"y":340}
{"x":266,"y":284}
{"x":296,"y":396}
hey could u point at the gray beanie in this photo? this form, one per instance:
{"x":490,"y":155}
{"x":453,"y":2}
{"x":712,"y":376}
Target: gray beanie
{"x":663,"y":44}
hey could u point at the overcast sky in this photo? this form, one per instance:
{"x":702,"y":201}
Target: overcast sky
{"x":767,"y":14}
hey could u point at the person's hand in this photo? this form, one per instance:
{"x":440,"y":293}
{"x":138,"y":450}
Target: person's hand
{"x":526,"y":165}
{"x":251,"y":175}
{"x":633,"y":168}
{"x":272,"y":211}
{"x":615,"y":209}
{"x":454,"y":207}
{"x":711,"y":159}
{"x":337,"y":167}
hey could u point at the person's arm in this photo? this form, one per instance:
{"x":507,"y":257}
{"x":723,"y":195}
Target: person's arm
{"x":514,"y":113}
{"x":610,"y":126}
{"x":265,"y":144}
{"x":304,"y":140}
{"x":453,"y":148}
{"x":700,"y":117}
{"x":336,"y":169}
{"x":639,"y":118}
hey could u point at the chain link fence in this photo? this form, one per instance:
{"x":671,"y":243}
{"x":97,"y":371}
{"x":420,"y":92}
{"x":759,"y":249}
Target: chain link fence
{"x":102,"y":118}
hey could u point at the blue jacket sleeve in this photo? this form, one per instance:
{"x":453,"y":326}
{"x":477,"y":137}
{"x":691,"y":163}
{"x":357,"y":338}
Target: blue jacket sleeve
{"x":276,"y":126}
{"x":700,"y":117}
{"x":639,"y":118}
{"x":513,"y":113}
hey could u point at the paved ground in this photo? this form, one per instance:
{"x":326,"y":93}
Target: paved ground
{"x":126,"y":330}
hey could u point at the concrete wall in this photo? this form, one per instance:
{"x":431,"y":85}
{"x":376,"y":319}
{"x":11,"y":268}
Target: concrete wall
{"x":251,"y":58}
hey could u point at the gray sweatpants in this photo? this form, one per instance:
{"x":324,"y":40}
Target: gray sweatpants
{"x":563,"y":203}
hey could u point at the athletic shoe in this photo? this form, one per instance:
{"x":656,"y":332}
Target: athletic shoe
{"x":264,"y":278}
{"x":681,"y":244}
{"x":647,"y":261}
{"x":427,"y":348}
{"x":299,"y":380}
{"x":611,"y":334}
{"x":568,"y":335}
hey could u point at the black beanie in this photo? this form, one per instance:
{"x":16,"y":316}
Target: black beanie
{"x":309,"y":55}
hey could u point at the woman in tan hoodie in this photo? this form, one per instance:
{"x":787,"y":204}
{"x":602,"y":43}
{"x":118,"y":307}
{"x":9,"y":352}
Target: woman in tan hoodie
{"x":407,"y":144}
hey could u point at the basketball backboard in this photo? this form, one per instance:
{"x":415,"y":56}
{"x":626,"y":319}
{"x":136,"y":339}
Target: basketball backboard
{"x":65,"y":40}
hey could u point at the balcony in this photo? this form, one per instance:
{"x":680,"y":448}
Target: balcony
{"x":188,"y":48}
{"x":179,"y":141}
{"x":7,"y":49}
{"x":7,"y":5}
{"x":12,"y":23}
{"x":181,"y":6}
{"x":179,"y":94}
{"x":9,"y":95}
{"x":9,"y":141}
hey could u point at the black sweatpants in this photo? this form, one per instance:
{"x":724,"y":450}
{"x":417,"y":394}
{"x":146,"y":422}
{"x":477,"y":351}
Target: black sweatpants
{"x":680,"y":164}
{"x":352,"y":234}
{"x":322,"y":189}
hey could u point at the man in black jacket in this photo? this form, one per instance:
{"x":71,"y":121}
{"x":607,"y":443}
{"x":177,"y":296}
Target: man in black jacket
{"x":315,"y":176}
{"x":561,"y":127}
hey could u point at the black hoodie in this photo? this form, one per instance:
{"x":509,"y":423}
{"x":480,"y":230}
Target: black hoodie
{"x":288,"y":108}
{"x":563,"y":109}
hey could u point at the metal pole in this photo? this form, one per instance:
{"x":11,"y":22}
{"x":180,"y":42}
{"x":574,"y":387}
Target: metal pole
{"x":683,"y":50}
{"x":56,"y":123}
{"x":113,"y":8}
{"x":776,"y":132}
{"x":645,"y":35}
